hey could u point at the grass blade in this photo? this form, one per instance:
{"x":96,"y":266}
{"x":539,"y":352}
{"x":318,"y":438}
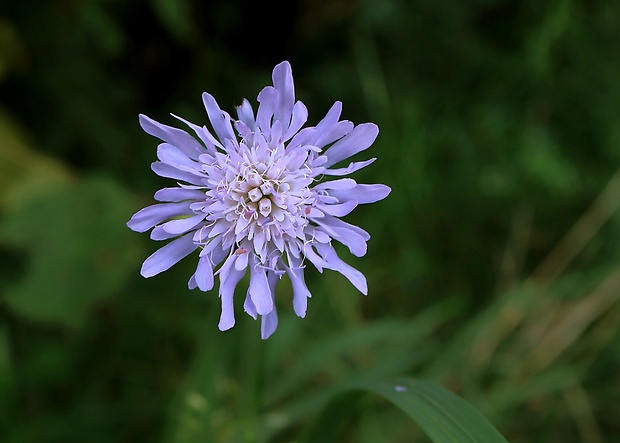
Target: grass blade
{"x":442,"y":415}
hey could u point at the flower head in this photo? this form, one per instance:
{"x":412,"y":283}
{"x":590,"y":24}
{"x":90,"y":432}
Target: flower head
{"x":249,"y":198}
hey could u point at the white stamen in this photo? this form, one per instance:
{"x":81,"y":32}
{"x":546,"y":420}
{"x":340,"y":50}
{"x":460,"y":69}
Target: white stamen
{"x":254,"y":194}
{"x":266,"y":188}
{"x":264,"y":207}
{"x":254,"y":179}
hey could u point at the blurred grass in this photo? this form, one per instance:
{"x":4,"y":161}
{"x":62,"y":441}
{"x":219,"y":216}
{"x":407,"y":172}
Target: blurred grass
{"x":493,"y":266}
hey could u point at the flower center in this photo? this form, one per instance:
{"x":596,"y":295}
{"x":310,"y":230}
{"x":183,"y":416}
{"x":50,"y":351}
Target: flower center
{"x":260,"y":193}
{"x":261,"y":200}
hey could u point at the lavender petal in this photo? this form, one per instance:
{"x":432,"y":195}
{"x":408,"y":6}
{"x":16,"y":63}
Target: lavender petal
{"x":362,"y":194}
{"x":204,"y":274}
{"x":260,"y":291}
{"x":359,"y":139}
{"x":174,"y":136}
{"x":218,"y":118}
{"x":178,"y":194}
{"x":229,"y":278}
{"x":164,"y":258}
{"x":146,"y":218}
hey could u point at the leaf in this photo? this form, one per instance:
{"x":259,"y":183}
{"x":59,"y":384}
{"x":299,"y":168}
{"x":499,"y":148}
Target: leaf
{"x":175,"y":16}
{"x":24,"y":172}
{"x":442,"y":415}
{"x":5,"y":359}
{"x":78,"y":247}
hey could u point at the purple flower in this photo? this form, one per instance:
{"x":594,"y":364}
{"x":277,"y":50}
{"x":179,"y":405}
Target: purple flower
{"x":249,"y":198}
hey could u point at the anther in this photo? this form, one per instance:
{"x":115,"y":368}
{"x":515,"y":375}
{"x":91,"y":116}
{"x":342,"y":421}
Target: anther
{"x":254,"y":179}
{"x":264,"y":207}
{"x":266,"y":188}
{"x":254,"y":194}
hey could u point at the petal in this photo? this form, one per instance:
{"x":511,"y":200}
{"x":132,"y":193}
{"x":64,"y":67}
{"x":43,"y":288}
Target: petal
{"x":246,"y":114}
{"x":178,"y":194}
{"x":314,"y":258}
{"x":330,"y":129}
{"x":362,"y":193}
{"x":295,"y":158}
{"x":332,"y":116}
{"x":173,"y":156}
{"x":162,"y":259}
{"x":359,"y":139}
{"x":159,"y":234}
{"x":351,"y":239}
{"x":242,"y":261}
{"x":282,"y":77}
{"x":203,"y":134}
{"x":343,"y":183}
{"x":269,"y":322}
{"x":167,"y":171}
{"x":183,"y":224}
{"x":191,"y":284}
{"x":353,"y":166}
{"x":336,"y":223}
{"x":302,"y":138}
{"x":276,"y":133}
{"x":335,"y":263}
{"x":174,"y":136}
{"x":204,"y":274}
{"x":300,"y":116}
{"x":229,"y":278}
{"x":249,"y":307}
{"x":220,"y":120}
{"x":336,"y":132}
{"x":339,"y":210}
{"x":217,"y":254}
{"x":301,"y":294}
{"x":146,"y":218}
{"x":267,"y":99}
{"x":259,"y":289}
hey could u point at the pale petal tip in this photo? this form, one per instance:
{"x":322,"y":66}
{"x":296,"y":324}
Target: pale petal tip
{"x":146,"y":123}
{"x":146,"y":271}
{"x":226,"y":323}
{"x":385,"y":191}
{"x":283,"y":65}
{"x":266,"y":335}
{"x":131,"y":223}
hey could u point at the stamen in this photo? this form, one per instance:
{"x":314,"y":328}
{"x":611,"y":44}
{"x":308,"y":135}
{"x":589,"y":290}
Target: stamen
{"x":254,"y":194}
{"x":264,"y":207}
{"x":266,"y":188}
{"x":254,"y":179}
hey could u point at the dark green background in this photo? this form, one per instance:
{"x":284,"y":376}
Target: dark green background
{"x":493,"y":266}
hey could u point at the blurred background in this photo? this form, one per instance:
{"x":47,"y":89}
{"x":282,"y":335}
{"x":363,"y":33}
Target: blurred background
{"x":493,"y":268}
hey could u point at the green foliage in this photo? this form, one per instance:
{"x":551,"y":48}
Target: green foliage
{"x":443,"y":416}
{"x":78,"y":250}
{"x":493,"y":265}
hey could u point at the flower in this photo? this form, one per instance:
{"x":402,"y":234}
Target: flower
{"x":250,"y":198}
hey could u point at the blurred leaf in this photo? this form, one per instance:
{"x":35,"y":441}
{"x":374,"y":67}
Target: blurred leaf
{"x":100,"y":25}
{"x":444,"y":417}
{"x":545,"y":164}
{"x":24,"y":173}
{"x":5,"y":359}
{"x":79,"y":247}
{"x":6,"y":379}
{"x":12,"y":50}
{"x":382,"y":336}
{"x":175,"y":16}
